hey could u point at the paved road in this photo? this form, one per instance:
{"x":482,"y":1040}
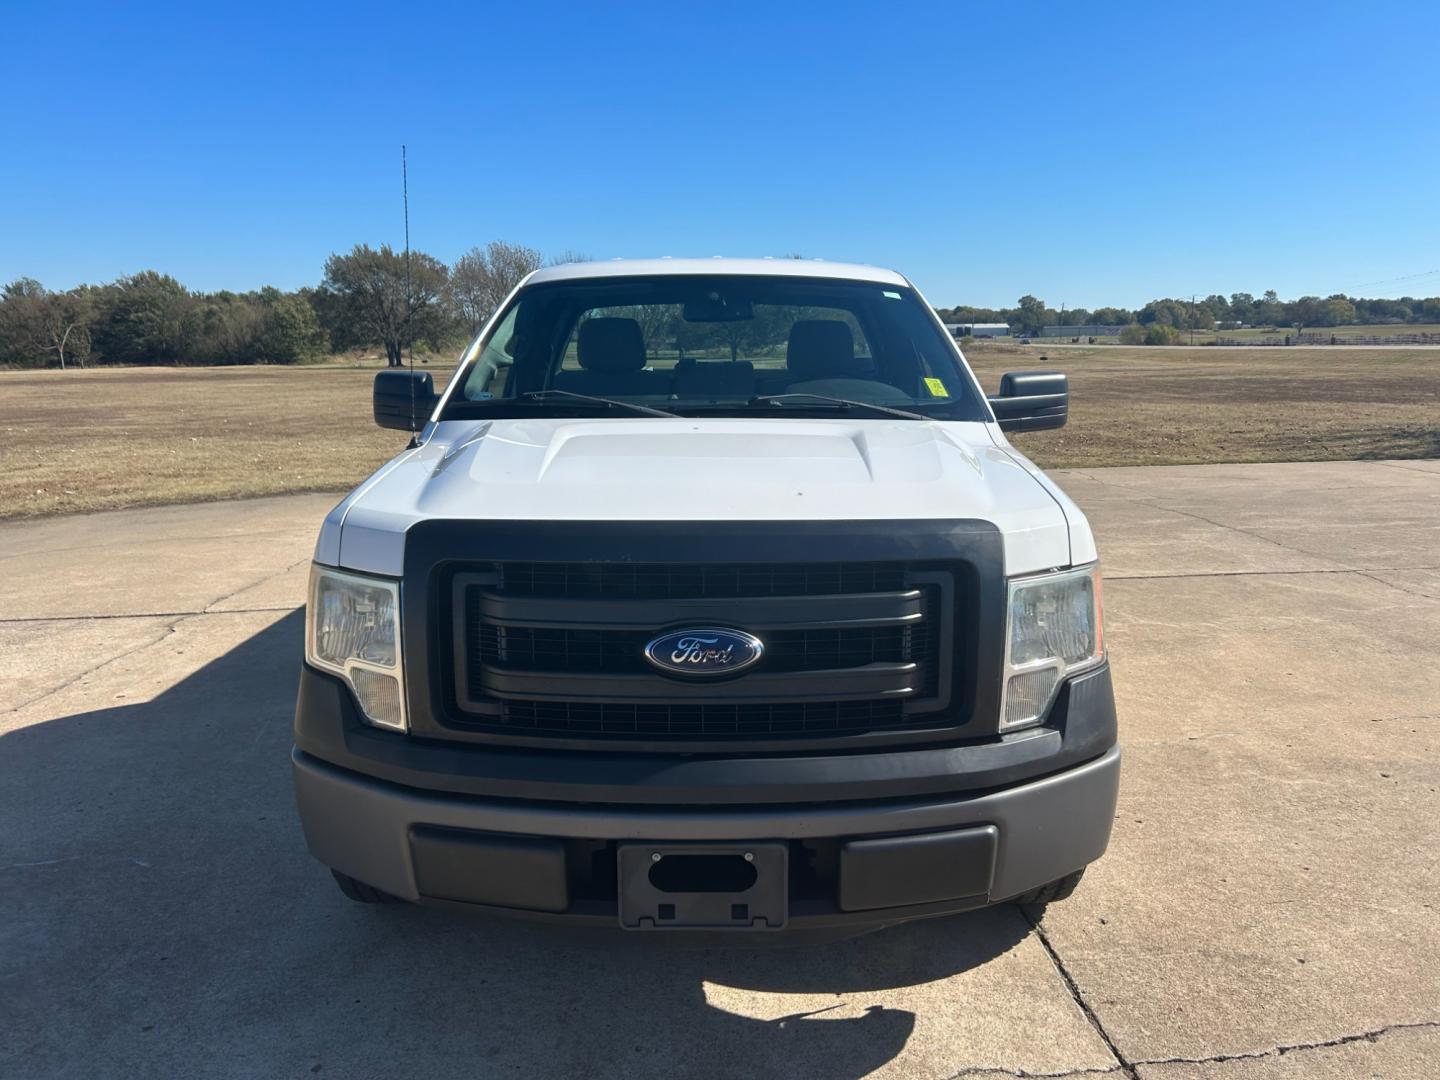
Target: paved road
{"x":1048,"y":343}
{"x":1267,"y":909}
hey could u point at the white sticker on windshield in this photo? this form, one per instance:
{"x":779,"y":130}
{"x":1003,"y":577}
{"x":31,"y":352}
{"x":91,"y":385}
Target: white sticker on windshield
{"x":890,"y":295}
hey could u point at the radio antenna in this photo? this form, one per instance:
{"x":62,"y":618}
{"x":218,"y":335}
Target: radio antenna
{"x":405,"y":196}
{"x":409,"y":295}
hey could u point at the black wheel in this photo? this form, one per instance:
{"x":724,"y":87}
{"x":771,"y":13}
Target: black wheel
{"x":362,"y":893}
{"x":1049,"y":894}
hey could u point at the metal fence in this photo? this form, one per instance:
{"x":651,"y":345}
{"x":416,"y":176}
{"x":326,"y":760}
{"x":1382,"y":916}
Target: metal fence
{"x":1333,"y":339}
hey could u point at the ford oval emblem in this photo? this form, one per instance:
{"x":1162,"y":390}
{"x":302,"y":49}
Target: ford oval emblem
{"x":708,"y":650}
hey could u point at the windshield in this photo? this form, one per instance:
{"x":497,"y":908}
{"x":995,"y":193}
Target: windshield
{"x":717,"y":346}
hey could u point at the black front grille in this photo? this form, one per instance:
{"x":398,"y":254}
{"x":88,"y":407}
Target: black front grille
{"x":665,"y":581}
{"x":529,"y":648}
{"x":558,"y":649}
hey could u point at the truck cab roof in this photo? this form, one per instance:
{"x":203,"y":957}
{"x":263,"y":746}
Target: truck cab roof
{"x":764,"y":267}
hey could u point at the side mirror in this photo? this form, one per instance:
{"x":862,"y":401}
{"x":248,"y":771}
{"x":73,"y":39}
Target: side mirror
{"x":1032,"y":400}
{"x":404,"y":399}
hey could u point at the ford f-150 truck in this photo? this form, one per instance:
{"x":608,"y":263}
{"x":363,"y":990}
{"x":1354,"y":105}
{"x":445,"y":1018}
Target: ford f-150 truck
{"x":709,"y":594}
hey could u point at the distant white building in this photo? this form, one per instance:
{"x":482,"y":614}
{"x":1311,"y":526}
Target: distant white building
{"x":979,"y":329}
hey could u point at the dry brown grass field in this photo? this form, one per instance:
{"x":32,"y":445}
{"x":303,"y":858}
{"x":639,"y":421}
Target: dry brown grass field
{"x":1193,"y":406}
{"x":106,"y":438}
{"x":101,"y":439}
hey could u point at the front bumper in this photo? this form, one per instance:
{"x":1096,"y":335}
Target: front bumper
{"x":547,"y":860}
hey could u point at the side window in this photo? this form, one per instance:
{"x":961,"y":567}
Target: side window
{"x":491,"y":373}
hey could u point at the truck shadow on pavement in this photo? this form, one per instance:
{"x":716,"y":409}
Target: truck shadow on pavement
{"x":164,"y":919}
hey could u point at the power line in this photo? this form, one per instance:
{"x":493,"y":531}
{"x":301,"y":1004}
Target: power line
{"x":1389,"y":281}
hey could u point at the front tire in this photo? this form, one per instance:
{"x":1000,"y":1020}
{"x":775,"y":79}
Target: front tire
{"x":1052,"y":893}
{"x":362,"y":893}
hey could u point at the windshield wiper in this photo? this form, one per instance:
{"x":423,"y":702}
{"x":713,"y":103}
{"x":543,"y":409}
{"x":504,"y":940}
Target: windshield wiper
{"x":775,"y":399}
{"x":644,"y":410}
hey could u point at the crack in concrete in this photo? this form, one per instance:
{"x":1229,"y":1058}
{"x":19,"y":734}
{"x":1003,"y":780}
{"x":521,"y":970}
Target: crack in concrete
{"x":1124,"y":1068}
{"x":1407,"y":468}
{"x":1399,"y":588}
{"x":1154,"y":502}
{"x":1266,"y":573}
{"x":1222,"y":525}
{"x":49,"y":551}
{"x":210,"y":607}
{"x":169,"y":630}
{"x":141,"y":615}
{"x":1373,"y":1035}
{"x":1103,"y":483}
{"x":1365,"y":572}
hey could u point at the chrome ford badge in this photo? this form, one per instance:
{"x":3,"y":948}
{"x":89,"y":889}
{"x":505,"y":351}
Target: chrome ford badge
{"x":708,"y":650}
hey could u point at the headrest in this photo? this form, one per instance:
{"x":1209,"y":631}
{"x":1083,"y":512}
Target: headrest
{"x":610,"y":344}
{"x":820,"y":348}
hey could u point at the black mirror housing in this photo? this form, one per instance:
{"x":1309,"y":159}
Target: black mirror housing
{"x":404,"y":399}
{"x":1032,"y":400}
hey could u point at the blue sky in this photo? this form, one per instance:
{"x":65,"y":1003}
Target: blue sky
{"x":1090,"y":155}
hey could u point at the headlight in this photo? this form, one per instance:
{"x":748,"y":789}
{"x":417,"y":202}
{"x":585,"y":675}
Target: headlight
{"x":352,"y":628}
{"x":1053,"y":631}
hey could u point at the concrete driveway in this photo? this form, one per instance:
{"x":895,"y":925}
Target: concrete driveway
{"x":1268,"y":907}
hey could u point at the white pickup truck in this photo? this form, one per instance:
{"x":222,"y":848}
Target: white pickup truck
{"x":708,"y":595}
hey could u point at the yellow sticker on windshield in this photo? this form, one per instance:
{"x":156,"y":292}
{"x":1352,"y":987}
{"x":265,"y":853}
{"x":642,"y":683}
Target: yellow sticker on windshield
{"x":936,"y":387}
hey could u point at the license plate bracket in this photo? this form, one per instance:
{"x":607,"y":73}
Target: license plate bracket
{"x":703,"y":886}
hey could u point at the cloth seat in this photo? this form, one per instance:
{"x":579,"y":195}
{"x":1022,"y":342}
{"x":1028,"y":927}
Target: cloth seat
{"x":611,"y":352}
{"x":824,"y":349}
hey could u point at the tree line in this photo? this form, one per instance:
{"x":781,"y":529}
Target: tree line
{"x":367,"y":298}
{"x":1030,"y":314}
{"x":382,"y":298}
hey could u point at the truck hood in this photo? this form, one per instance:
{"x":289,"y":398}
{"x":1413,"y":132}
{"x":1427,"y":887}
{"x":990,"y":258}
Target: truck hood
{"x":700,"y":470}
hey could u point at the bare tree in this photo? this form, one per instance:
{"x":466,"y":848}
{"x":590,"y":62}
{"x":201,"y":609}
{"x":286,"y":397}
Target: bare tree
{"x":391,"y":298}
{"x":35,"y":321}
{"x":483,"y":277}
{"x":66,"y":319}
{"x":470,"y":289}
{"x":657,"y":322}
{"x":569,"y":255}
